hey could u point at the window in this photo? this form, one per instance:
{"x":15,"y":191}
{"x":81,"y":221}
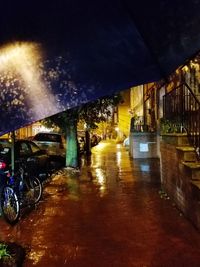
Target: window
{"x":48,"y":137}
{"x":24,"y":149}
{"x":34,"y":148}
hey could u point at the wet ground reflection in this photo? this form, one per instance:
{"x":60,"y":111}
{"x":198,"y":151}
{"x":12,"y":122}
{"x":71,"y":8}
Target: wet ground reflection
{"x":108,"y":214}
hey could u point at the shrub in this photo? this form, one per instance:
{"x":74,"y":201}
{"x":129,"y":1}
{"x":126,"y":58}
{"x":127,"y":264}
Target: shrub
{"x":4,"y":253}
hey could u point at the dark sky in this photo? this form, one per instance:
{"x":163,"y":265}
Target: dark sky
{"x":109,"y":45}
{"x":96,"y":29}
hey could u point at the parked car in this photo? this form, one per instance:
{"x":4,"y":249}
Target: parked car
{"x":4,"y":142}
{"x":52,"y":142}
{"x":36,"y":160}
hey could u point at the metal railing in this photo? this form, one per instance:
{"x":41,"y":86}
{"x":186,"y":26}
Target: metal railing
{"x":182,"y":107}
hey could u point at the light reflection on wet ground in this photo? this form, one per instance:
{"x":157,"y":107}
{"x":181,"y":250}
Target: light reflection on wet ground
{"x":108,"y":214}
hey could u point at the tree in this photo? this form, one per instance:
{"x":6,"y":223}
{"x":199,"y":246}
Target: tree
{"x":67,"y":123}
{"x":91,"y":114}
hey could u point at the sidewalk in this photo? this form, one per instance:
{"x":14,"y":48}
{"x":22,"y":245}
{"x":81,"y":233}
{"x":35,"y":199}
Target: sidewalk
{"x":111,"y":214}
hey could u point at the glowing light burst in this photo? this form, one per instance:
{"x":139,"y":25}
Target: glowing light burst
{"x":20,"y":62}
{"x":119,"y":156}
{"x":33,"y":87}
{"x":101,"y":179}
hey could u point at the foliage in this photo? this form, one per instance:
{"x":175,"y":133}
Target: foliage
{"x":4,"y":253}
{"x":90,"y":113}
{"x":170,"y":126}
{"x":99,"y":110}
{"x":60,"y":120}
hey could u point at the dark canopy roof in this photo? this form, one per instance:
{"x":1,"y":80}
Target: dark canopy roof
{"x":90,"y":49}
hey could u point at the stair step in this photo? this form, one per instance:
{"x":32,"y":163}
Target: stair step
{"x":196,"y":183}
{"x":192,"y":165}
{"x":194,"y":168}
{"x":195,"y":187}
{"x":186,"y":154}
{"x":185,"y":148}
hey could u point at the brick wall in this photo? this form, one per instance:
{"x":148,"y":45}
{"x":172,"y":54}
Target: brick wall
{"x":176,"y":182}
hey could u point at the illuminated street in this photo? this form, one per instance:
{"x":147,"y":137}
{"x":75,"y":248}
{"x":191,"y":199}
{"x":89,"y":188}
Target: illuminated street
{"x":112,"y":213}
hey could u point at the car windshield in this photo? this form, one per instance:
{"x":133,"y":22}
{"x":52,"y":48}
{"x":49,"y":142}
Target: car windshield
{"x":47,"y":137}
{"x":4,"y":146}
{"x":5,"y":142}
{"x":34,"y":148}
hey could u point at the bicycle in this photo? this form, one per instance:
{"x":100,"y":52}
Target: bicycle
{"x":20,"y":190}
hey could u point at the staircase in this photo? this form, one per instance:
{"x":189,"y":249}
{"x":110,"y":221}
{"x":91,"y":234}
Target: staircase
{"x":181,"y":163}
{"x":187,"y":156}
{"x":182,"y":108}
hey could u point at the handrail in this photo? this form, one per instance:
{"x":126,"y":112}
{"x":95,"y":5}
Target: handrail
{"x":191,"y":92}
{"x":189,"y":89}
{"x":182,"y":107}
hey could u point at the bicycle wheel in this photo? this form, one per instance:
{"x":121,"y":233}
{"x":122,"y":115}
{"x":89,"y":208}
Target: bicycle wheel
{"x":34,"y":193}
{"x":10,"y":205}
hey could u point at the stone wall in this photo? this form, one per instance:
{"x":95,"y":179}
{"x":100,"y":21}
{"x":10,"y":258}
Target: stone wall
{"x":143,"y":145}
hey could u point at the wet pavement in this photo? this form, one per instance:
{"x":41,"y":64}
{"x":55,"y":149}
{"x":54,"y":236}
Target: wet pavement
{"x":110,"y":214}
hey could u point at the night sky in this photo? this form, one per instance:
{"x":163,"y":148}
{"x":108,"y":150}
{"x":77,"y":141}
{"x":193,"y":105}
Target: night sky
{"x":106,"y":46}
{"x":137,"y":37}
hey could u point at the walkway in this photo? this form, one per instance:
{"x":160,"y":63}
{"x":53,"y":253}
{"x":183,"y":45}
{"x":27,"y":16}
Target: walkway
{"x":111,"y":214}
